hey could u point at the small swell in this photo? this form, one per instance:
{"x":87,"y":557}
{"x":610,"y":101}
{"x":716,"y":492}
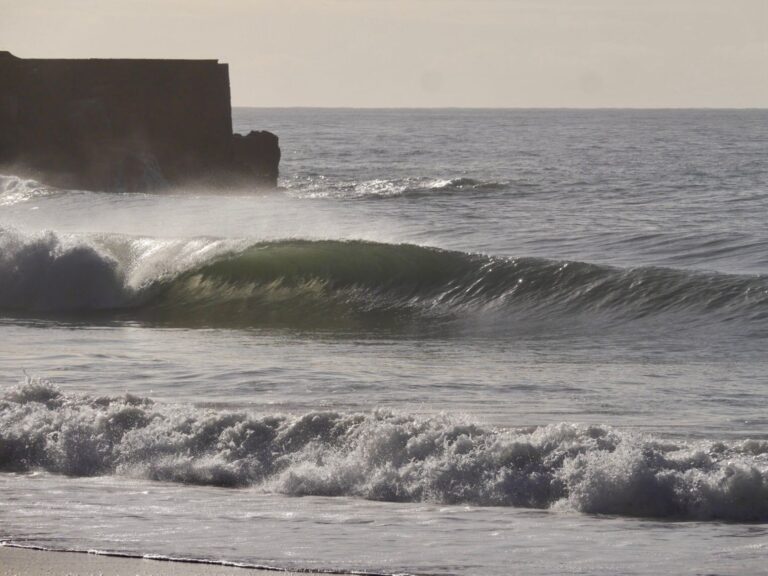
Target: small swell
{"x":386,"y":188}
{"x":387,"y":456}
{"x":454,"y":185}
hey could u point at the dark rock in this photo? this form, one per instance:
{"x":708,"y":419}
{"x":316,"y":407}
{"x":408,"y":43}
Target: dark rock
{"x":256,"y":155}
{"x":127,"y":125}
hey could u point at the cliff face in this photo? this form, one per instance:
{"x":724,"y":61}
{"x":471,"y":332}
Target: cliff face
{"x":127,"y":124}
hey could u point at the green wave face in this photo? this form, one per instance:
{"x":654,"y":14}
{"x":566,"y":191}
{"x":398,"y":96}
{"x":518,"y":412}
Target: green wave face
{"x":337,"y":284}
{"x":316,"y":283}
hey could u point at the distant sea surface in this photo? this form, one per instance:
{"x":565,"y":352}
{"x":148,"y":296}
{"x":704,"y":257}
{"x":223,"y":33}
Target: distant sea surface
{"x":472,"y":342}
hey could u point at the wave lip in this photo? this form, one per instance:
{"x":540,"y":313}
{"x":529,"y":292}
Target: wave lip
{"x":385,"y":456}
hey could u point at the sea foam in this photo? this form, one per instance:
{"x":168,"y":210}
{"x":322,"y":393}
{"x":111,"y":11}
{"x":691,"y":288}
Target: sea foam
{"x":15,"y":190}
{"x":384,"y":455}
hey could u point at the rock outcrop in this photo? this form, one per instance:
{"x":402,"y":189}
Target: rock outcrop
{"x":127,"y":125}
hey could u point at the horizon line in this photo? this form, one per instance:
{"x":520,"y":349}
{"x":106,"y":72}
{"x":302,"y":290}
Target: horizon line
{"x":596,"y":108}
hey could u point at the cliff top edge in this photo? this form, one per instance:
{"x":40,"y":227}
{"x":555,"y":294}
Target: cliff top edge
{"x":6,"y":55}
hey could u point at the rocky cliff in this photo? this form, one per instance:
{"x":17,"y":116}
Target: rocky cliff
{"x":127,"y":125}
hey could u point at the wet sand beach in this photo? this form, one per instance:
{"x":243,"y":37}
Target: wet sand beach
{"x":29,"y":562}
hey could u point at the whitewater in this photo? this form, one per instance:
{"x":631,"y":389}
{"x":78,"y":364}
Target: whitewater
{"x":451,"y":342}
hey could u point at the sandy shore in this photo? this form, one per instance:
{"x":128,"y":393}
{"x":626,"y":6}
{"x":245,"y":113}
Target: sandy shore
{"x":24,"y":562}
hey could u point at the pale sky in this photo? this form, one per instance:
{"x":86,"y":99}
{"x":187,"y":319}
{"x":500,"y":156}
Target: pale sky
{"x":415,"y":53}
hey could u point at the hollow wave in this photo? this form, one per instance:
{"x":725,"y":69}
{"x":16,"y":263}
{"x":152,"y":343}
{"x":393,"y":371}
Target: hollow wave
{"x":317,"y":282}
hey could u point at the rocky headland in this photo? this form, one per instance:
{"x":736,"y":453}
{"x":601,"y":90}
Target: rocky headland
{"x":127,"y":125}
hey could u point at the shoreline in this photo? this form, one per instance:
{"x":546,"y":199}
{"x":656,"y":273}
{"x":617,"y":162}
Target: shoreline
{"x":18,"y":560}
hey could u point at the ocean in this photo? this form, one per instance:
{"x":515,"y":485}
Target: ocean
{"x":471,"y":342}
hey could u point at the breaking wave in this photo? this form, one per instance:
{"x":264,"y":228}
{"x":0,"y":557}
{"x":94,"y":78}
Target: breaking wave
{"x":324,"y":282}
{"x":320,"y":187}
{"x":385,"y":456}
{"x":14,"y":190}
